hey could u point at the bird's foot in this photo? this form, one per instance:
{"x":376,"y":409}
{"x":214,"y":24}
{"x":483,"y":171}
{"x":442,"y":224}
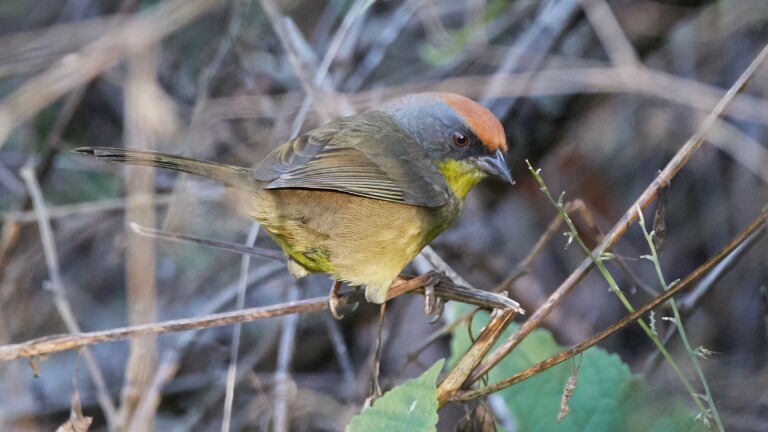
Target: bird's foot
{"x":333,"y":300}
{"x":433,"y":305}
{"x":353,"y":307}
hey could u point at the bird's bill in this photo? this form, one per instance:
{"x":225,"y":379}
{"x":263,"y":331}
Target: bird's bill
{"x":495,"y":165}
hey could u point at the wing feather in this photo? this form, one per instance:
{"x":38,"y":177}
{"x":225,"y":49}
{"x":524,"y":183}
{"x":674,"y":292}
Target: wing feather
{"x":342,"y":157}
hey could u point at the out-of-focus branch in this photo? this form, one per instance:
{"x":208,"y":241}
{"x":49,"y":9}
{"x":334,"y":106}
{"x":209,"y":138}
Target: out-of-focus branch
{"x":60,"y":299}
{"x":283,"y":381}
{"x":76,"y":69}
{"x":149,"y":115}
{"x":595,"y":80}
{"x":613,"y":38}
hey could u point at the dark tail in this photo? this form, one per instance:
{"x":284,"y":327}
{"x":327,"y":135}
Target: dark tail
{"x":231,"y":175}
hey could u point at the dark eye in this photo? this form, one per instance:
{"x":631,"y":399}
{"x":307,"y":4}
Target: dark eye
{"x":460,"y":140}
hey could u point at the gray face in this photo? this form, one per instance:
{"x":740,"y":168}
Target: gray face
{"x":434,"y":124}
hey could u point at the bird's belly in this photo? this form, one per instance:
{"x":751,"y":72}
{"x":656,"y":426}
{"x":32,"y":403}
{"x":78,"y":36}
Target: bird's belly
{"x":355,"y":239}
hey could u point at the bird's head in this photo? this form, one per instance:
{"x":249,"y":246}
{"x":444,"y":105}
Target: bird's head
{"x":463,"y":138}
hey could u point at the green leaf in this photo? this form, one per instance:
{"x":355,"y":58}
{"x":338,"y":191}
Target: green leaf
{"x":411,"y":406}
{"x":607,"y":396}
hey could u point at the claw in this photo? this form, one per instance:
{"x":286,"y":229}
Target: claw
{"x":438,"y":312}
{"x":333,"y":300}
{"x":355,"y":305}
{"x":433,"y":305}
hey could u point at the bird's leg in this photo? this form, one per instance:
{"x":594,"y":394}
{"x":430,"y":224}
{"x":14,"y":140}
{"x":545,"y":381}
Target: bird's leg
{"x":433,"y":305}
{"x":438,"y":312}
{"x":429,"y":299}
{"x":333,"y":300}
{"x":355,"y":305}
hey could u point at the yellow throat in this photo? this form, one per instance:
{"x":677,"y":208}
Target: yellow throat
{"x":461,"y":176}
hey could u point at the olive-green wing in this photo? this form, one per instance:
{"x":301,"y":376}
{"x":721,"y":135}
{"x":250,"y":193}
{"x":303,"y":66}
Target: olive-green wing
{"x":387,"y":169}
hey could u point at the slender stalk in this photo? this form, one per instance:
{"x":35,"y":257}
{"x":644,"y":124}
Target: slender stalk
{"x":757,"y":226}
{"x":614,"y":288}
{"x":654,"y":257}
{"x":620,"y":228}
{"x":60,"y":299}
{"x":234,"y":349}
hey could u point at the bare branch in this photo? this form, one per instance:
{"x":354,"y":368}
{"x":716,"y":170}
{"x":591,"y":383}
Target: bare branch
{"x":618,"y":230}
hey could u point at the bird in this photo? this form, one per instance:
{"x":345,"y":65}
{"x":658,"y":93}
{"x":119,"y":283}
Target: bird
{"x":359,"y":197}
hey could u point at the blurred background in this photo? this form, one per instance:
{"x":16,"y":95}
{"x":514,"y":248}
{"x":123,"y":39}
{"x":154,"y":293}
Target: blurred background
{"x":600,"y":94}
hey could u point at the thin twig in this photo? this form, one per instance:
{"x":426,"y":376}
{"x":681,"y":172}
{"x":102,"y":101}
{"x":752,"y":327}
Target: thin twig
{"x":105,"y":205}
{"x":654,"y":257}
{"x":598,"y":236}
{"x":758,"y":224}
{"x":104,"y":53}
{"x":342,"y":353}
{"x":142,"y":131}
{"x":59,"y":295}
{"x":599,"y":262}
{"x":618,"y":230}
{"x":692,"y":299}
{"x":283,"y":380}
{"x":169,"y":363}
{"x":298,"y":62}
{"x":592,"y":80}
{"x":229,"y":394}
{"x":357,"y":10}
{"x":491,"y":333}
{"x":53,"y":142}
{"x":375,"y":392}
{"x":539,"y":38}
{"x":51,"y":344}
{"x":612,"y":37}
{"x":270,"y":254}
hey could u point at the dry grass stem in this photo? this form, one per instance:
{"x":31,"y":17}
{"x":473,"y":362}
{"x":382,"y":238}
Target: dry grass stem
{"x":376,"y":392}
{"x":149,"y":117}
{"x":75,"y":70}
{"x":234,"y":351}
{"x":52,"y":344}
{"x":57,"y":288}
{"x":285,"y":388}
{"x":618,"y":230}
{"x":490,"y":334}
{"x":80,"y":209}
{"x":583,"y":81}
{"x":684,"y":284}
{"x":612,"y":37}
{"x":688,"y":303}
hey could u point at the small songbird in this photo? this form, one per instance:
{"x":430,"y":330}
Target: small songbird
{"x":361,"y":196}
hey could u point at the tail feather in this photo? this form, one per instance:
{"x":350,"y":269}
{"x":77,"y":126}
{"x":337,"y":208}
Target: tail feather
{"x":231,"y":175}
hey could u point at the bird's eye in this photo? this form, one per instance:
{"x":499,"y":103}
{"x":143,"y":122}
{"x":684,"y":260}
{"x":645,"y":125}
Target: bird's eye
{"x":460,"y":140}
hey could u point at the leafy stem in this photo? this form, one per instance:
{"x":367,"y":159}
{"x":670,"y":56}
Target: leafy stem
{"x":613,"y":286}
{"x":693,"y":354}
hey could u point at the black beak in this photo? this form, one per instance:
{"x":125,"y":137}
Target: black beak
{"x":495,"y":165}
